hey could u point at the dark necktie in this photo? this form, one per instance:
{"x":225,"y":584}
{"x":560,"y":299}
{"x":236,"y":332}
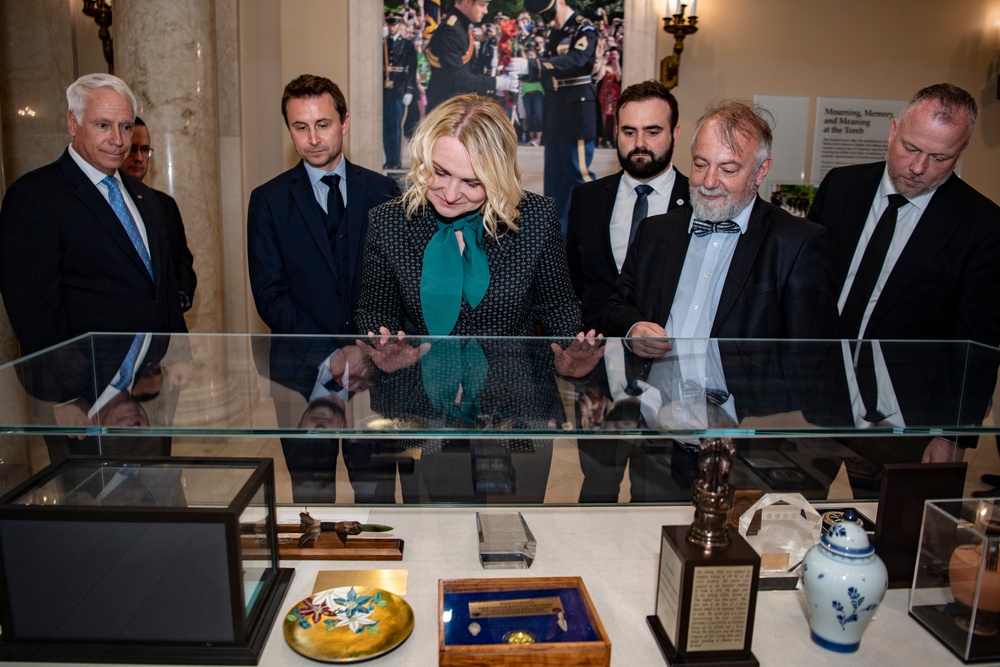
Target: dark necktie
{"x":869,"y":270}
{"x":704,"y":228}
{"x":640,"y":209}
{"x":334,"y":206}
{"x":128,"y":222}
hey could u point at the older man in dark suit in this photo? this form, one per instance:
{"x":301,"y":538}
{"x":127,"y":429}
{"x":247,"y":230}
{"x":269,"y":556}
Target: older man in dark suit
{"x":306,"y":230}
{"x":728,"y":265}
{"x":83,"y":247}
{"x":914,"y":252}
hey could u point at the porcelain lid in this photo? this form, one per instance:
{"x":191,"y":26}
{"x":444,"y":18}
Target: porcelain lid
{"x":847,"y":538}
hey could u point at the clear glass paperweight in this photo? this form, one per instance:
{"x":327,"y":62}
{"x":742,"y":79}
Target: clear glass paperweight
{"x":505,"y":541}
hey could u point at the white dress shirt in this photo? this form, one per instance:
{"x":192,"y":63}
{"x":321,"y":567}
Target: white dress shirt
{"x":657,"y":201}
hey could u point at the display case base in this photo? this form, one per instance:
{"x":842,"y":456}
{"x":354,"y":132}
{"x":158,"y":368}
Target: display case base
{"x":160,"y":653}
{"x":674,"y":659}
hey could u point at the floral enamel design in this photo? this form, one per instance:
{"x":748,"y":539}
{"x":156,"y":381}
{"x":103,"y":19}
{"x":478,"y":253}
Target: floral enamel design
{"x":856,"y":601}
{"x":340,"y":607}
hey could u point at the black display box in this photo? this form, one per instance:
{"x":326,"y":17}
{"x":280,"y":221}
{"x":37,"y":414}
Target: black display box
{"x":140,"y":560}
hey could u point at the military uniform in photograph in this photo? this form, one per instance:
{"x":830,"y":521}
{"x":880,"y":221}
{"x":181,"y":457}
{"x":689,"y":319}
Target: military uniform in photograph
{"x":452,"y":56}
{"x":570,"y":111}
{"x":400,"y":79}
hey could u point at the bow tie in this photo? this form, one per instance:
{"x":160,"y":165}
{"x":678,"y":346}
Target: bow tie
{"x":703,"y":228}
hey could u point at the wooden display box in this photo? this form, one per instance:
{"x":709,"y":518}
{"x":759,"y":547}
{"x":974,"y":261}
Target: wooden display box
{"x":478,"y":617}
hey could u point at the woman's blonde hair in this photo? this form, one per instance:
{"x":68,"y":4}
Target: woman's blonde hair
{"x":483,"y":128}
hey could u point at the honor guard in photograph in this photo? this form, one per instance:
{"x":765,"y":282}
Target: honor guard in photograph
{"x":451,"y":53}
{"x":570,"y":98}
{"x":399,"y":58}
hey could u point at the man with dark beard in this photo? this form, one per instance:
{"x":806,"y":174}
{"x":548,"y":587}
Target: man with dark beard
{"x":604,"y":214}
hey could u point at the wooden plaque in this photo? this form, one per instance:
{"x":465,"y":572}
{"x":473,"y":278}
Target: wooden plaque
{"x":705,"y":601}
{"x":519,"y":603}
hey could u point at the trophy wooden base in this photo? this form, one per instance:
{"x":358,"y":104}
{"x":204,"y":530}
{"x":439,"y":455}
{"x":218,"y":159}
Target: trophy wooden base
{"x":705,"y":601}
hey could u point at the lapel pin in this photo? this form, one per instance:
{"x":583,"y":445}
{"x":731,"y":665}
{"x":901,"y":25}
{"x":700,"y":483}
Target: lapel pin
{"x":680,"y":202}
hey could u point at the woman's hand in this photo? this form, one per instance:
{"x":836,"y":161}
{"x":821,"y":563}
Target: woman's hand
{"x":582,"y":355}
{"x":390,"y":352}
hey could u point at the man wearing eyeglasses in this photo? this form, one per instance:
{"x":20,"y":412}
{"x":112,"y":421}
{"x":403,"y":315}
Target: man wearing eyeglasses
{"x":137,"y":164}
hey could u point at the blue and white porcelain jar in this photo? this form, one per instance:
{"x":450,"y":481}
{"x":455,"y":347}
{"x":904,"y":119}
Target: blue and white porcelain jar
{"x":844,"y":583}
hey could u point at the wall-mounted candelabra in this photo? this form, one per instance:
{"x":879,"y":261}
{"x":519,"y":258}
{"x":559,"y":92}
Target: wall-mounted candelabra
{"x":100,"y":11}
{"x":680,"y":27}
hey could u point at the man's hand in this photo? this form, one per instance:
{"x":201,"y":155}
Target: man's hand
{"x":73,"y":414}
{"x":353,"y":361}
{"x":651,"y":349}
{"x":407,"y":98}
{"x":942,"y":450}
{"x":581,"y":356}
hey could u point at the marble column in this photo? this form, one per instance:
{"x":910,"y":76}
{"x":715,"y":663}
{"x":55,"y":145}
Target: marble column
{"x":166,"y":52}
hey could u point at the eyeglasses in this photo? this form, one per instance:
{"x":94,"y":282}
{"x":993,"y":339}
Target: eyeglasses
{"x":145,"y":150}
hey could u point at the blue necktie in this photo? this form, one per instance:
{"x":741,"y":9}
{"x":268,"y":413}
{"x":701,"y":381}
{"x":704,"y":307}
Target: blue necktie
{"x":128,"y":222}
{"x":127,"y":370}
{"x":640,"y":209}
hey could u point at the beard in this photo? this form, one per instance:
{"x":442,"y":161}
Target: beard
{"x":642,"y":169}
{"x":726,"y":209}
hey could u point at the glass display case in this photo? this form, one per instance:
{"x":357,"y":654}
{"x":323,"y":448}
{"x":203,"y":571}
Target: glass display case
{"x":483,"y":421}
{"x":119,"y":559}
{"x":956,"y":585}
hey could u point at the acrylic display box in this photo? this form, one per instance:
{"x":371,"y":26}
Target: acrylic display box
{"x":956,"y":584}
{"x":140,"y":560}
{"x":535,"y":621}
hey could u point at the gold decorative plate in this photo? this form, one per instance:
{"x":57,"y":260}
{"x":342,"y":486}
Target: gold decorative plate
{"x":348,"y":624}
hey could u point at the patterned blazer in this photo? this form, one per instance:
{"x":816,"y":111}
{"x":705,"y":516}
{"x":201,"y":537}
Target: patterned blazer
{"x":529,"y":277}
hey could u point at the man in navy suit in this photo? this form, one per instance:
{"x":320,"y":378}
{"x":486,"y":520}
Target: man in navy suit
{"x":68,"y":264}
{"x":305,"y":233}
{"x":83,"y":248}
{"x":936,"y":276}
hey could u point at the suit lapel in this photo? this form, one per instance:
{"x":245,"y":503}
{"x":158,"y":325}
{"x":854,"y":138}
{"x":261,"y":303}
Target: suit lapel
{"x":680,"y":193}
{"x":936,"y":226}
{"x":857,"y":204}
{"x":312,"y":214}
{"x":94,"y":200}
{"x":607,"y":203}
{"x":669,"y":261}
{"x":357,"y":213}
{"x":150,"y":220}
{"x":743,"y":260}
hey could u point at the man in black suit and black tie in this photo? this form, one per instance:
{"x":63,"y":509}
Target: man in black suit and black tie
{"x":728,"y":265}
{"x":306,"y":230}
{"x":604,"y":214}
{"x":914,"y":253}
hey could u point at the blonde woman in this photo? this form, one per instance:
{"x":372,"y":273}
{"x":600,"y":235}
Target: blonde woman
{"x":466,"y":251}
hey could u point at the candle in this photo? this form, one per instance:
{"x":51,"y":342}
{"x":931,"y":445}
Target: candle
{"x":694,"y":8}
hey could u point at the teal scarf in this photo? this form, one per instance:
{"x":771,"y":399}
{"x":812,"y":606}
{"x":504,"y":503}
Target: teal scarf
{"x":447,"y":275}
